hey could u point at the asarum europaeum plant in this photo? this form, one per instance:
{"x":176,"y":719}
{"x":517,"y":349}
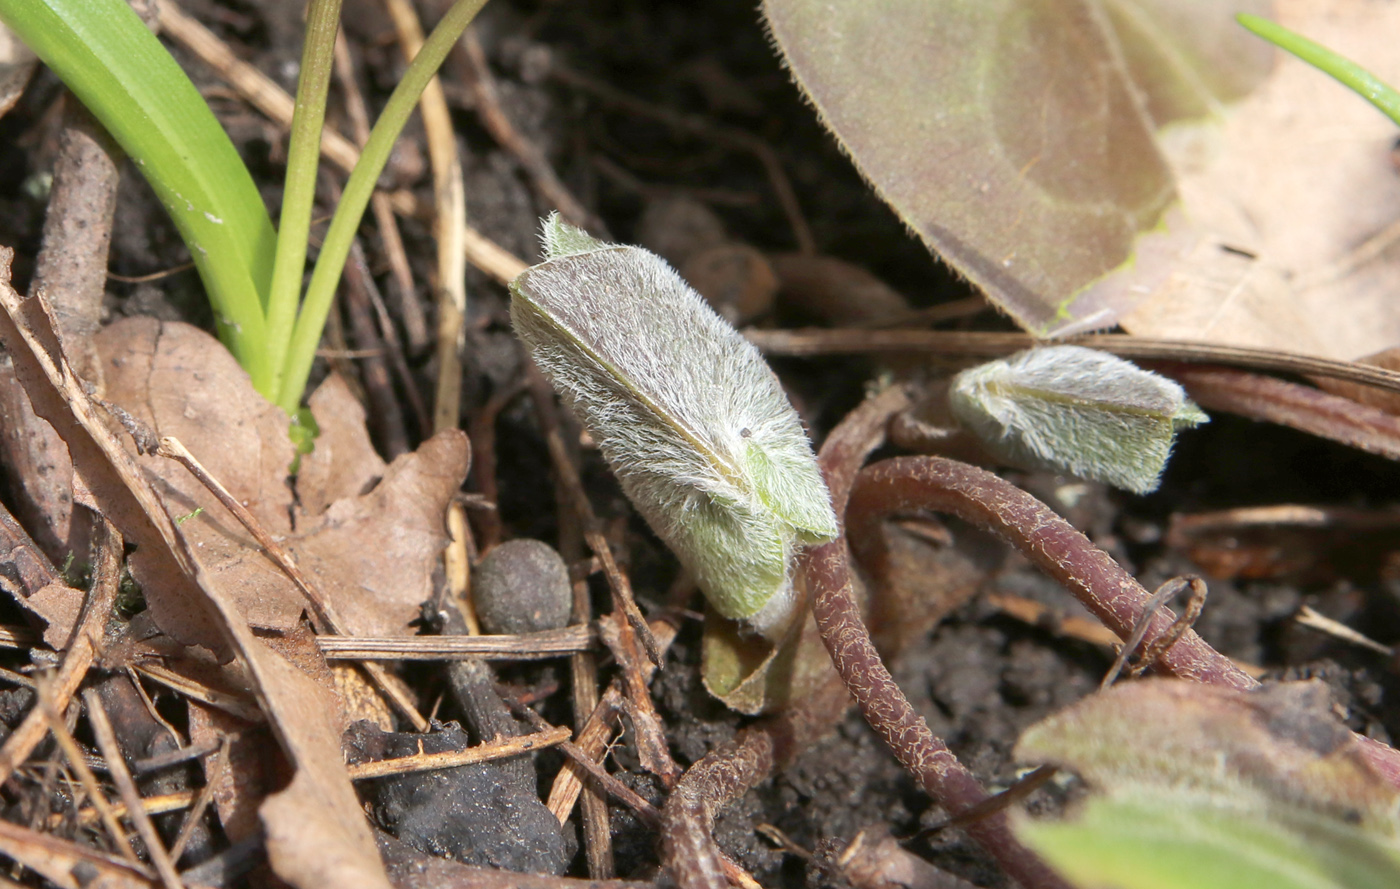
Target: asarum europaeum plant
{"x":706,"y":445}
{"x":687,"y":414}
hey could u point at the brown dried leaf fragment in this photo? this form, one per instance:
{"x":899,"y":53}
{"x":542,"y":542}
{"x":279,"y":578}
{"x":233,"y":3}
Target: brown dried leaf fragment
{"x":371,"y":554}
{"x":315,"y":832}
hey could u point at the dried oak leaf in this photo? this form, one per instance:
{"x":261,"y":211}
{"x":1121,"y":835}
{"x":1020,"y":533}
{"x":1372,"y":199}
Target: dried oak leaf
{"x":316,"y":834}
{"x":344,"y":463}
{"x":371,"y":555}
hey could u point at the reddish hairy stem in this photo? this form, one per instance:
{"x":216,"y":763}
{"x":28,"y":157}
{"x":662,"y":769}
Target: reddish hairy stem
{"x":1052,"y":544}
{"x":985,"y":500}
{"x":889,"y":712}
{"x":731,"y":769}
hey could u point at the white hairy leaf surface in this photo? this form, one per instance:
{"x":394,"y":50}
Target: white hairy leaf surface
{"x":685,"y":411}
{"x":1077,"y":410}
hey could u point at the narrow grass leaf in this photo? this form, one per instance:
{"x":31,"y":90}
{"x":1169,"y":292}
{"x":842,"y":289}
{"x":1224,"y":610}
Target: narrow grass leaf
{"x":120,"y":72}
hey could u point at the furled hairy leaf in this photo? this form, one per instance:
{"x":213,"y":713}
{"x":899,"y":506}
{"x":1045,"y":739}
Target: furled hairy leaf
{"x":1017,"y":136}
{"x":1078,"y":410}
{"x":687,"y":414}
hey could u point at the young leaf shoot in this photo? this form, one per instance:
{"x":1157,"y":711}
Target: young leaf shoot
{"x":692,"y":421}
{"x":1077,"y":410}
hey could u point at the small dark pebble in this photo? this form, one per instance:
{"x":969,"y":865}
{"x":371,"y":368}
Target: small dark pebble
{"x":522,"y":586}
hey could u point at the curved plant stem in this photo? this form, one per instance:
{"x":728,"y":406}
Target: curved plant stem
{"x":321,"y":291}
{"x":1052,"y":544}
{"x":986,"y":500}
{"x":299,"y":192}
{"x":894,"y":719}
{"x":725,"y":774}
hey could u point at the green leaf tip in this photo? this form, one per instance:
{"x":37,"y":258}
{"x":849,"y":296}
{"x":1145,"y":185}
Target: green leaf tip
{"x":1076,"y":410}
{"x":687,"y":414}
{"x":561,"y":239}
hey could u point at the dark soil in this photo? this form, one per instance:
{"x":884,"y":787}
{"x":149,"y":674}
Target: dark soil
{"x":981,"y":677}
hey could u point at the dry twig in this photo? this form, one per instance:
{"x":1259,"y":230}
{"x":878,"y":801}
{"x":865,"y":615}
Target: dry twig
{"x":811,"y":342}
{"x":321,"y":606}
{"x":82,"y":650}
{"x":116,"y":767}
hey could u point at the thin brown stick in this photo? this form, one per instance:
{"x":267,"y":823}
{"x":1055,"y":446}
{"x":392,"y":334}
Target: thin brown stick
{"x":426,"y":762}
{"x":71,"y":268}
{"x":449,"y":223}
{"x":269,"y":98}
{"x":544,"y":645}
{"x":649,"y":814}
{"x":649,"y":734}
{"x":1000,"y":802}
{"x":1294,"y":405}
{"x":321,"y":606}
{"x":1163,"y":594}
{"x":229,"y":703}
{"x":78,"y":761}
{"x":597,"y":733}
{"x":202,"y":800}
{"x":154,"y":805}
{"x":153,"y":276}
{"x":374,"y":369}
{"x":471,"y":61}
{"x":126,"y":787}
{"x":1307,"y":617}
{"x":171,"y":448}
{"x":1153,"y":651}
{"x":82,"y":649}
{"x":621,"y":792}
{"x":623,"y":601}
{"x":811,"y":342}
{"x":583,"y":680}
{"x":18,"y":637}
{"x":422,"y":762}
{"x":57,"y":859}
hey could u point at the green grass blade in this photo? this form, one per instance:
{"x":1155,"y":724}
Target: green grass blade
{"x":326,"y":276}
{"x":1361,"y":81}
{"x":118,"y":69}
{"x":299,"y":192}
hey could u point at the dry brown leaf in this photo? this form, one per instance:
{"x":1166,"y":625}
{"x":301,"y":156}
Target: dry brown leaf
{"x":375,"y":554}
{"x":28,"y":333}
{"x":344,"y":463}
{"x":242,"y":783}
{"x":36,"y":461}
{"x":1381,"y":399}
{"x":315,"y":831}
{"x":1301,"y":176}
{"x":371,"y":555}
{"x":177,"y":380}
